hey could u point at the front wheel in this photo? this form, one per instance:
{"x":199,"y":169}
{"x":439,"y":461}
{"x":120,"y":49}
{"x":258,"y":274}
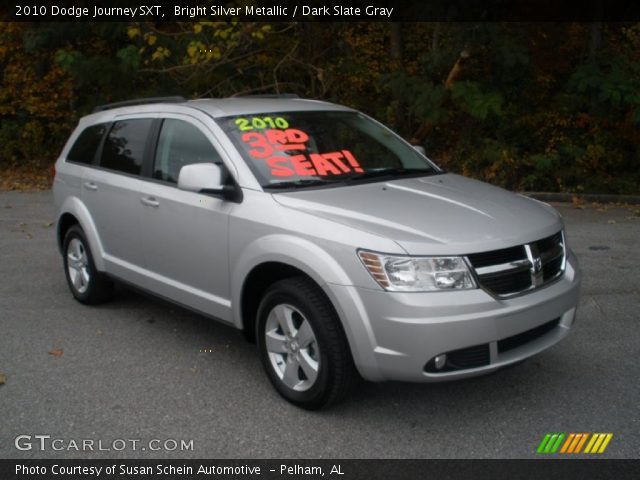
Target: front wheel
{"x":302,"y":345}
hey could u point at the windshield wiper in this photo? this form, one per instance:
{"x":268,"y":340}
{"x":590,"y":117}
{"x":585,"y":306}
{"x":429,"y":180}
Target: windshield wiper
{"x":391,"y":171}
{"x":305,"y":182}
{"x":351,"y":177}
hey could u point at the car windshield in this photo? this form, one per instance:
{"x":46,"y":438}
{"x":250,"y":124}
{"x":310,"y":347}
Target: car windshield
{"x":319,"y":148}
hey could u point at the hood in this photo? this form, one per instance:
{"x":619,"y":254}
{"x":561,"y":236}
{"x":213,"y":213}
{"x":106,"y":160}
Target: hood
{"x":441,"y":214}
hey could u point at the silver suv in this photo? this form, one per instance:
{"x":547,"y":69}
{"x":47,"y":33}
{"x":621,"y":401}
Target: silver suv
{"x":338,"y":248}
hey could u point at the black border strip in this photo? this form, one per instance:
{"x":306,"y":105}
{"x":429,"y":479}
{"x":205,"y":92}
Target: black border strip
{"x":565,"y":469}
{"x":328,"y":10}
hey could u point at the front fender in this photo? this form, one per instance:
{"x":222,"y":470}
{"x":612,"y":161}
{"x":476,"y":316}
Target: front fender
{"x":323,"y":268}
{"x":290,"y":250}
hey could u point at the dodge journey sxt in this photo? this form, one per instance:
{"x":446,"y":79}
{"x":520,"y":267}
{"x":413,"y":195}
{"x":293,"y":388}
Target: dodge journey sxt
{"x":336,"y":246}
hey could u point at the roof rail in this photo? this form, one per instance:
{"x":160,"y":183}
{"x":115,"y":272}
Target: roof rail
{"x":139,"y":101}
{"x":266,"y":95}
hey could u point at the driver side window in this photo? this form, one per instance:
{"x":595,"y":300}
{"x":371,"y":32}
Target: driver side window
{"x":180,"y":144}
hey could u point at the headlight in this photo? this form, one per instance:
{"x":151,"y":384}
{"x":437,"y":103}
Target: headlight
{"x":417,"y":274}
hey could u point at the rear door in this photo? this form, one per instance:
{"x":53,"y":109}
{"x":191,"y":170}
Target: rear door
{"x":111,"y":192}
{"x":185,"y":234}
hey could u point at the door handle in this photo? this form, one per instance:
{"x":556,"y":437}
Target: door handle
{"x":90,"y":186}
{"x":150,"y":201}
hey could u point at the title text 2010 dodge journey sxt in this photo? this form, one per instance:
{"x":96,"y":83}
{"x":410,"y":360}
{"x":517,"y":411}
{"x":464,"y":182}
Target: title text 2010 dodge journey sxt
{"x":335,"y":245}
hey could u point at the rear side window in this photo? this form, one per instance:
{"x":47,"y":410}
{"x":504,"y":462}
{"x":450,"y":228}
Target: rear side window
{"x":85,"y":147}
{"x":181,"y":144}
{"x":124,"y":147}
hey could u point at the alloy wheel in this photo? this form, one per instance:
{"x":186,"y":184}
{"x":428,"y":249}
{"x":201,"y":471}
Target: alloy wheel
{"x":292,"y":347}
{"x":78,"y":265}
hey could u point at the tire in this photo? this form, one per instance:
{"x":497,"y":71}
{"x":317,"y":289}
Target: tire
{"x":87,"y":285}
{"x":302,"y":345}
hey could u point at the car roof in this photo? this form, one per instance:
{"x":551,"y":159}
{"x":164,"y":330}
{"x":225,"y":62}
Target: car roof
{"x":243,"y":105}
{"x":220,"y":107}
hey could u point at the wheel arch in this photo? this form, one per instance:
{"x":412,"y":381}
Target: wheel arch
{"x":272,"y":259}
{"x":260,"y":278}
{"x":74,"y":212}
{"x":65,"y":222}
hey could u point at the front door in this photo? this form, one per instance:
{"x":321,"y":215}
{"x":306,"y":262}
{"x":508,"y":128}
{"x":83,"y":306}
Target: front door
{"x":185,"y":234}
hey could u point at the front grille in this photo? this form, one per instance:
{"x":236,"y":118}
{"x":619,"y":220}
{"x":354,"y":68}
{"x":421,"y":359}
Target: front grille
{"x":480,"y":356}
{"x":515,"y":341}
{"x":551,"y":269}
{"x":470,"y":357}
{"x":495,"y":257}
{"x":550,"y":242}
{"x":502,"y":284}
{"x":513,"y":270}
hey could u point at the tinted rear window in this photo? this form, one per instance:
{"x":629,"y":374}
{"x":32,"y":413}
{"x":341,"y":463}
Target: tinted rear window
{"x":124,"y":146}
{"x":84,"y":149}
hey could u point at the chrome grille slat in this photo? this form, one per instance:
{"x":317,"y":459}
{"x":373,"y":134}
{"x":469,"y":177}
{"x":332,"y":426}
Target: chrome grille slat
{"x":515,"y":270}
{"x":517,"y":265}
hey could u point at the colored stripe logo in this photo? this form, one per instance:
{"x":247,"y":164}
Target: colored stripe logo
{"x":574,"y":443}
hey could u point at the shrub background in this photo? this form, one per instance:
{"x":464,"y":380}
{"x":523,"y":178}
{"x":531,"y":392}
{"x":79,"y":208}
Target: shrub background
{"x":546,"y":107}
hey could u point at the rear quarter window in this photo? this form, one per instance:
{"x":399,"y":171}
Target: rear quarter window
{"x":124,"y":146}
{"x":85,"y":147}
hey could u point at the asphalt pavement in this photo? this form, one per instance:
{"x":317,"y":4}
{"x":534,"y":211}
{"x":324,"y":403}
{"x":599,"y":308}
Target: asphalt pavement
{"x":138,"y":369}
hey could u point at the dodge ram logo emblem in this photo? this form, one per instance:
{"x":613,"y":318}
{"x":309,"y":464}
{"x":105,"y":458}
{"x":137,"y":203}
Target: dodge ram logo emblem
{"x":537,"y":264}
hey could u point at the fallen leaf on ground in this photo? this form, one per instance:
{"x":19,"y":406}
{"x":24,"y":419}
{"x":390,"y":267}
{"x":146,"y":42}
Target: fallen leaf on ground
{"x":611,"y":222}
{"x":47,"y":225}
{"x":56,"y":352}
{"x":577,"y":202}
{"x":3,"y":378}
{"x":29,"y":236}
{"x":34,"y":175}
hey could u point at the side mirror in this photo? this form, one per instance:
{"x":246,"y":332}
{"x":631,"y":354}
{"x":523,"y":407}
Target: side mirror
{"x":201,"y":177}
{"x":420,"y":149}
{"x":207,"y":178}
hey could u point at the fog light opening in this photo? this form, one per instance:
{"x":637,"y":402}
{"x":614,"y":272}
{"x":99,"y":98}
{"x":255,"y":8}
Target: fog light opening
{"x":440,"y":361}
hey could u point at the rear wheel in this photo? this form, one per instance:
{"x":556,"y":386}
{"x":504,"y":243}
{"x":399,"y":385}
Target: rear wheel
{"x":302,"y":345}
{"x":86,"y":284}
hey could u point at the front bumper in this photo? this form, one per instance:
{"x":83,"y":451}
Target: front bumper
{"x":394,"y":335}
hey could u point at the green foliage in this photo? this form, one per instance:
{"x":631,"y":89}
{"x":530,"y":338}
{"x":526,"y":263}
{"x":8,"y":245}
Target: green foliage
{"x":423,"y":100}
{"x":469,"y":97}
{"x":613,"y":88}
{"x":130,"y":58}
{"x":10,"y":141}
{"x":521,"y":115}
{"x":524,"y":106}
